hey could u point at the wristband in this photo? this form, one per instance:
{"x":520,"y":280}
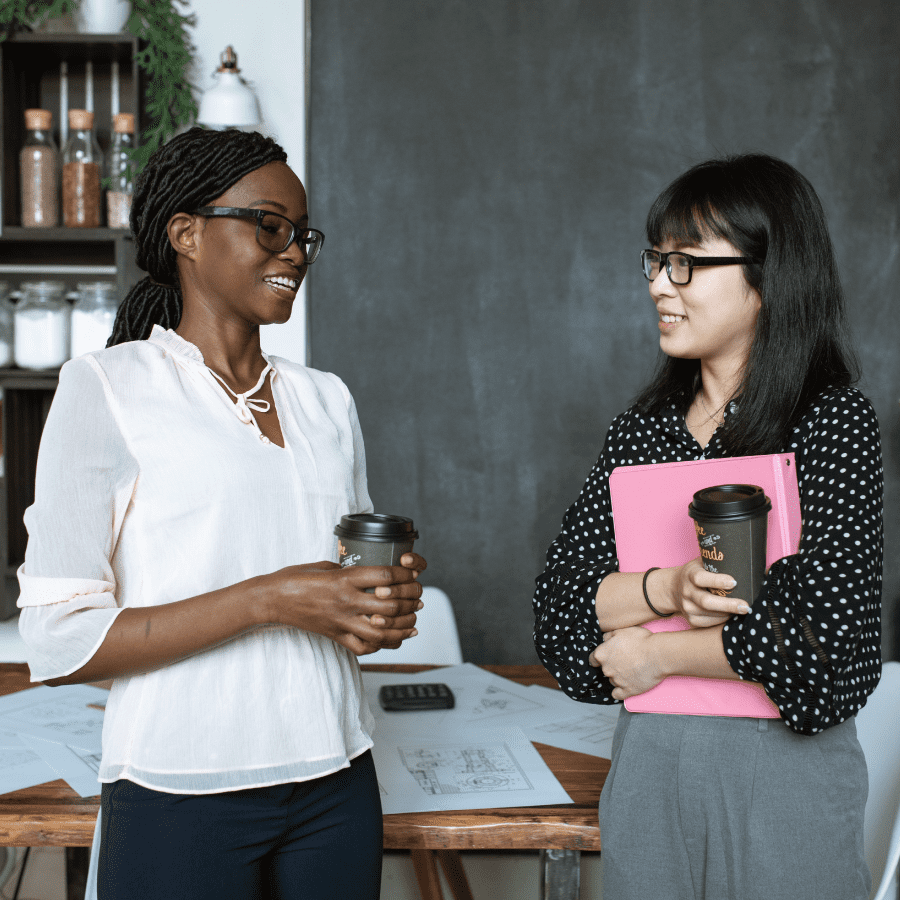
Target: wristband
{"x":652,"y":607}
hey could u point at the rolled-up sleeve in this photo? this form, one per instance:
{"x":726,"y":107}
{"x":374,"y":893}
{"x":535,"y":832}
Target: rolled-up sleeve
{"x":815,"y":642}
{"x":566,"y":629}
{"x":85,"y":479}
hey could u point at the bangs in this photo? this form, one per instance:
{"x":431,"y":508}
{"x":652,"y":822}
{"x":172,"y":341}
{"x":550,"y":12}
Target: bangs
{"x":686,"y":213}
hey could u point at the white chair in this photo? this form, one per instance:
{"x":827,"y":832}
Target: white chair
{"x":878,"y":727}
{"x":437,"y":641}
{"x":12,"y":647}
{"x":90,"y":888}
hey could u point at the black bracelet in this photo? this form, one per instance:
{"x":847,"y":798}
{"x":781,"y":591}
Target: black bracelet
{"x":644,"y":586}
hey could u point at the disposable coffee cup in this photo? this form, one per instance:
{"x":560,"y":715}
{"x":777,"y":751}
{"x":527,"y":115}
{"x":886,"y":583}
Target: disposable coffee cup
{"x":731,"y":521}
{"x":374,"y":539}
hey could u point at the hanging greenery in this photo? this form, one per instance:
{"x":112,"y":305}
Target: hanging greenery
{"x":26,"y":15}
{"x":166,"y":58}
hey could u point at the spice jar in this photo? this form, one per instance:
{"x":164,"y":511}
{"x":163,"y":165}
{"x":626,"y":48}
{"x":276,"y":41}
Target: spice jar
{"x":41,"y":326}
{"x":6,"y":325}
{"x":121,"y":171}
{"x":39,"y":171}
{"x":92,"y":316}
{"x":81,"y":173}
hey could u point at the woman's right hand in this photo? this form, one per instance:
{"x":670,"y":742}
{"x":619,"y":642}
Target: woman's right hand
{"x":332,"y":601}
{"x":690,"y":587}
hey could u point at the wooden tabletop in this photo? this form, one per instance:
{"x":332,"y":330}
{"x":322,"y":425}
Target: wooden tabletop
{"x":53,"y":814}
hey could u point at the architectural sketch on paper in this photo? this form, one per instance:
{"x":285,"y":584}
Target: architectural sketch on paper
{"x":497,"y":702}
{"x":465,"y":769}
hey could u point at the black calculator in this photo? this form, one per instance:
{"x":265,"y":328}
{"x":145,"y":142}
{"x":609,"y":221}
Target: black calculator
{"x":398,"y":697}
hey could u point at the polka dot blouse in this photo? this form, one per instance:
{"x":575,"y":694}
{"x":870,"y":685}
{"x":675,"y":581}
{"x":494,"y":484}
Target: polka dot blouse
{"x":814,"y":644}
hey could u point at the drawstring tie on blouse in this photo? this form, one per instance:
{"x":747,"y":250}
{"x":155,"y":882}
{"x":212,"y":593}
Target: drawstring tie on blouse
{"x":244,"y":405}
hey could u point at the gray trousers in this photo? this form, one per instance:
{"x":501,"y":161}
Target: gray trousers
{"x":712,"y":808}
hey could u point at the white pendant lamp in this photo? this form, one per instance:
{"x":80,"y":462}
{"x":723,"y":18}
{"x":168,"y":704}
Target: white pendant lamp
{"x":230,"y":102}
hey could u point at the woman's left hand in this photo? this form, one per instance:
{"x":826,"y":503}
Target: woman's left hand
{"x":628,"y":660}
{"x":408,"y":561}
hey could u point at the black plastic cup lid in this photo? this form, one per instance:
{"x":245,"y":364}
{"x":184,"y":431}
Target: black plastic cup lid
{"x":376,"y":527}
{"x":729,"y":501}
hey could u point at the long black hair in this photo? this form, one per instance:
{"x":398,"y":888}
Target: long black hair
{"x":768,"y":211}
{"x":190,"y":171}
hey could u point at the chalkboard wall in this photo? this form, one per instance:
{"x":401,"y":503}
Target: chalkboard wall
{"x":482,"y":170}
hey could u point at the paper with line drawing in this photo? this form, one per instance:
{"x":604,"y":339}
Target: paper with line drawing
{"x":487,"y":769}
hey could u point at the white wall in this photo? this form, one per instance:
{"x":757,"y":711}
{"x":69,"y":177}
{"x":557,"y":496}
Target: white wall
{"x":269,"y":37}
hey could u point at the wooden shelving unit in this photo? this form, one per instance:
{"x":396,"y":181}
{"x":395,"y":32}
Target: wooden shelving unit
{"x":30,"y":78}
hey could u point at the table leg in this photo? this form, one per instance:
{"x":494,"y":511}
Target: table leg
{"x":560,"y":874}
{"x":425,"y":864}
{"x":77,"y":862}
{"x":451,"y":863}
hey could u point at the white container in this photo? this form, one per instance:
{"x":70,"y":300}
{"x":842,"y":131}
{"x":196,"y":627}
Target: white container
{"x":102,"y":16}
{"x":41,"y":326}
{"x":93,"y":316}
{"x":6,"y":326}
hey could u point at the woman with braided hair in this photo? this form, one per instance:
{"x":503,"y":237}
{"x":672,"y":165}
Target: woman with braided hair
{"x":180,"y":544}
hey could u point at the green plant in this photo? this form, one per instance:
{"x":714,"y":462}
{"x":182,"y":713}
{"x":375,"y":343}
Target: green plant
{"x":165,"y":58}
{"x":26,"y":15}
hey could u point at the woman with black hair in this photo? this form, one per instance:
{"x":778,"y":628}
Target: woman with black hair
{"x":751,"y":319}
{"x":181,"y":544}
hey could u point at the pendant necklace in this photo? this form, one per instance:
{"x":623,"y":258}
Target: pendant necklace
{"x":710,"y":415}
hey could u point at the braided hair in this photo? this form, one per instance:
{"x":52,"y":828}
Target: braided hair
{"x":190,"y":171}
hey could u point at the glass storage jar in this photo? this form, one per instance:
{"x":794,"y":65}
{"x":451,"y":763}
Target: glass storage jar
{"x":6,"y":325}
{"x":41,"y":326}
{"x":39,"y":171}
{"x":92,"y":316}
{"x":120,"y":167}
{"x":81,"y":173}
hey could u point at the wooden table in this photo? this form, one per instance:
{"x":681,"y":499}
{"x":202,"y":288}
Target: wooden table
{"x":559,"y":832}
{"x":53,"y":814}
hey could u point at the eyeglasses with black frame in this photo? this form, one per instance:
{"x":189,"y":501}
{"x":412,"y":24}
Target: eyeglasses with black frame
{"x":274,"y":232}
{"x":680,"y":266}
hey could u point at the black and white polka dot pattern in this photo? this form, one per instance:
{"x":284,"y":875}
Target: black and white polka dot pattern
{"x":815,"y":643}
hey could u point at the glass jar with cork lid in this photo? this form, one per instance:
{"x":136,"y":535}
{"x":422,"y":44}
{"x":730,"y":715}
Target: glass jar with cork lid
{"x":39,"y":171}
{"x":121,"y":171}
{"x":81,"y":173}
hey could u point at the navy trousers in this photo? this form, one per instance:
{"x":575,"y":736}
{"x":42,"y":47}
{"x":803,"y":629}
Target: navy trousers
{"x":315,"y":840}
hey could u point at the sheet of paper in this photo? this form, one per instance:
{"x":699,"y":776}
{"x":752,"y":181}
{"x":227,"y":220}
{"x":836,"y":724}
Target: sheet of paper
{"x":483,"y":699}
{"x":487,"y":769}
{"x":566,"y":723}
{"x":78,"y":768}
{"x":10,"y":739}
{"x":21,"y":767}
{"x":493,"y":700}
{"x":424,"y":720}
{"x":546,"y":715}
{"x":58,"y":714}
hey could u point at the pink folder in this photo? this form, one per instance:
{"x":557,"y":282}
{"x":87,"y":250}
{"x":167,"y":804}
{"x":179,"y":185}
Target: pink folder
{"x":652,"y":527}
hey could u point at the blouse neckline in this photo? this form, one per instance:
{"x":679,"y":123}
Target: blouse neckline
{"x":178,"y":346}
{"x":175,"y":343}
{"x":243,"y":407}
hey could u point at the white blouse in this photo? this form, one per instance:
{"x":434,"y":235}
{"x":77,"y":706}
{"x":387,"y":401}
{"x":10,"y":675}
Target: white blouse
{"x":154,"y":486}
